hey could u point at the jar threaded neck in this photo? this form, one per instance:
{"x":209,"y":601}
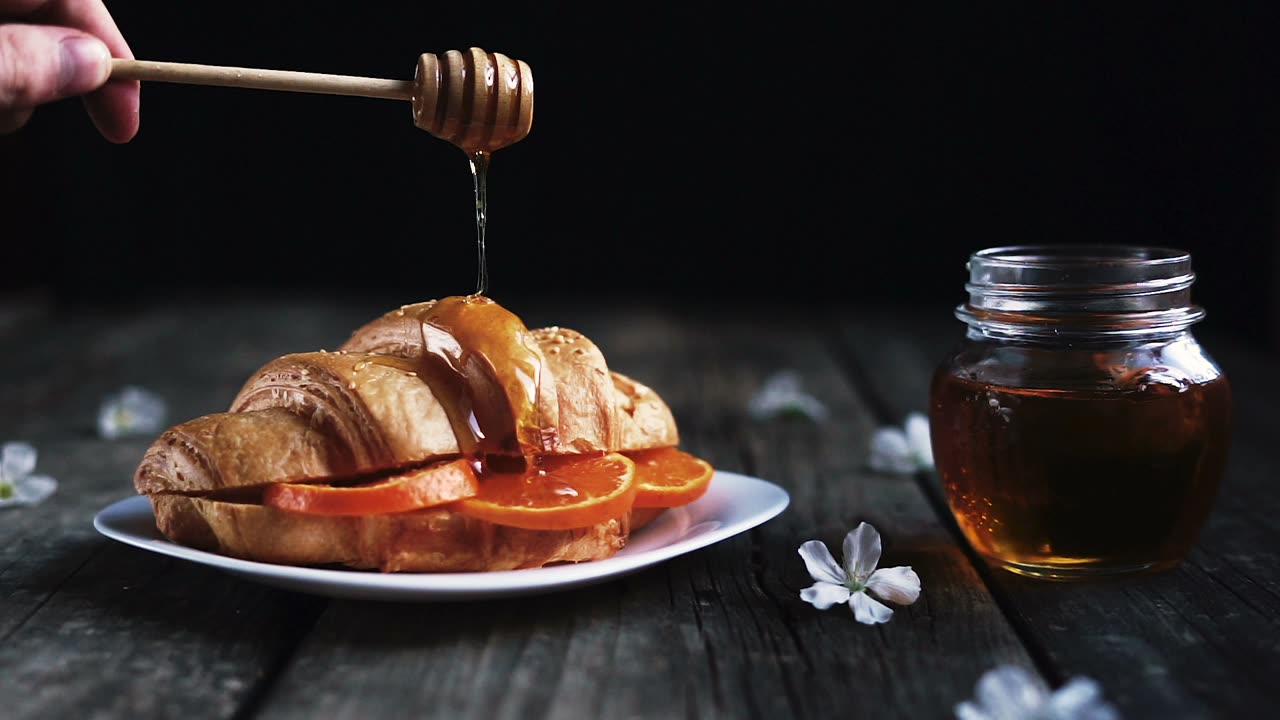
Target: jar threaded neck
{"x":1079,"y":291}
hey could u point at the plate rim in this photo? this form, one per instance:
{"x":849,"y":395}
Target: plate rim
{"x":773,"y":502}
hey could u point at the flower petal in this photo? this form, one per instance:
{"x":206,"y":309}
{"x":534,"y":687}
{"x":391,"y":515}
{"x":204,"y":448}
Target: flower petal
{"x":823,"y":595}
{"x":821,"y":565}
{"x":898,"y":585}
{"x":1009,"y":692}
{"x":29,"y":491}
{"x":133,"y":411}
{"x":868,"y":611}
{"x":1080,"y":698}
{"x":35,"y":488}
{"x":861,"y":552}
{"x":968,"y":711}
{"x":917,"y":432}
{"x":890,"y":452}
{"x":782,"y":395}
{"x":17,"y":459}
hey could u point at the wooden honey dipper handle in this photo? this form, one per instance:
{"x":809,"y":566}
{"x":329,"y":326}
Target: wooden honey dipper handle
{"x":256,"y":78}
{"x":476,"y":100}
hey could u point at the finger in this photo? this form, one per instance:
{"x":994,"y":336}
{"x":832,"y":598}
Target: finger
{"x":90,"y":16}
{"x":114,"y":107}
{"x":40,"y":64}
{"x":114,"y":110}
{"x":13,"y":118}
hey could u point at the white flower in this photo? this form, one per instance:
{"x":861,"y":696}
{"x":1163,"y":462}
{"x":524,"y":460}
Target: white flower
{"x":1009,"y":692}
{"x":781,"y":394}
{"x":859,"y":579}
{"x":132,"y":411}
{"x":902,"y":450}
{"x":17,"y":485}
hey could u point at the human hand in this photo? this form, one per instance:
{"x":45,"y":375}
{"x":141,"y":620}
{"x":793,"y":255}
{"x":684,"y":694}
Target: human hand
{"x":55,"y":49}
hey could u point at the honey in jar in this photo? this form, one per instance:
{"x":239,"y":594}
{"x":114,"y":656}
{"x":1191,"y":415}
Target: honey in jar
{"x":1079,"y":428}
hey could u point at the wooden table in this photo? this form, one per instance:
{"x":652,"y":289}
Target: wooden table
{"x":90,"y":627}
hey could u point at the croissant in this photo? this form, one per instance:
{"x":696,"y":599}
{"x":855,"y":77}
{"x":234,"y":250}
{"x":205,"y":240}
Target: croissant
{"x":426,"y":383}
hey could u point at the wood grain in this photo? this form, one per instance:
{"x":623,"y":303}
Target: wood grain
{"x":91,"y":627}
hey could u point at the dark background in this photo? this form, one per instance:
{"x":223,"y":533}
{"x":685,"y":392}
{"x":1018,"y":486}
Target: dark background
{"x":841,"y":152}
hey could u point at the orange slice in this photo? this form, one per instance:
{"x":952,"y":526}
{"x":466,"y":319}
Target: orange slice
{"x":424,"y":487}
{"x":668,"y":477}
{"x":560,"y":493}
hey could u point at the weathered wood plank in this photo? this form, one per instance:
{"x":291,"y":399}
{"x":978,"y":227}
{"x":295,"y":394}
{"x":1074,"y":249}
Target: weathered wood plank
{"x":91,"y":627}
{"x":717,"y":633}
{"x":1197,"y":642}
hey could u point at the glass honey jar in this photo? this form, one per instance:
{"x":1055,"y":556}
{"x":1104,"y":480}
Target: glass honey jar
{"x":1079,"y":428}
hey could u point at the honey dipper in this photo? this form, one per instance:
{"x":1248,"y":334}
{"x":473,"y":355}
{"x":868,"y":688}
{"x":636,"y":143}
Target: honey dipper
{"x":476,"y":100}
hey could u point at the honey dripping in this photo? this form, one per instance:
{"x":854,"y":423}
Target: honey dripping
{"x":479,"y":102}
{"x":480,"y":181}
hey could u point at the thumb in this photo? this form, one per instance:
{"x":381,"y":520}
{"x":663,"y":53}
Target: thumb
{"x":40,"y":64}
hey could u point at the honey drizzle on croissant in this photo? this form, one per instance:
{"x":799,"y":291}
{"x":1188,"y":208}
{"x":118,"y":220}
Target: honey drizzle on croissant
{"x":485,"y":365}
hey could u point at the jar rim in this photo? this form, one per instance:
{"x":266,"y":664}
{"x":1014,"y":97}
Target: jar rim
{"x":1085,"y":289}
{"x":1057,"y":255}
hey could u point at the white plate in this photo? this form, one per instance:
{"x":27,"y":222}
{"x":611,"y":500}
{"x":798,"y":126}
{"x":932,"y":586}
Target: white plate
{"x":733,"y":504}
